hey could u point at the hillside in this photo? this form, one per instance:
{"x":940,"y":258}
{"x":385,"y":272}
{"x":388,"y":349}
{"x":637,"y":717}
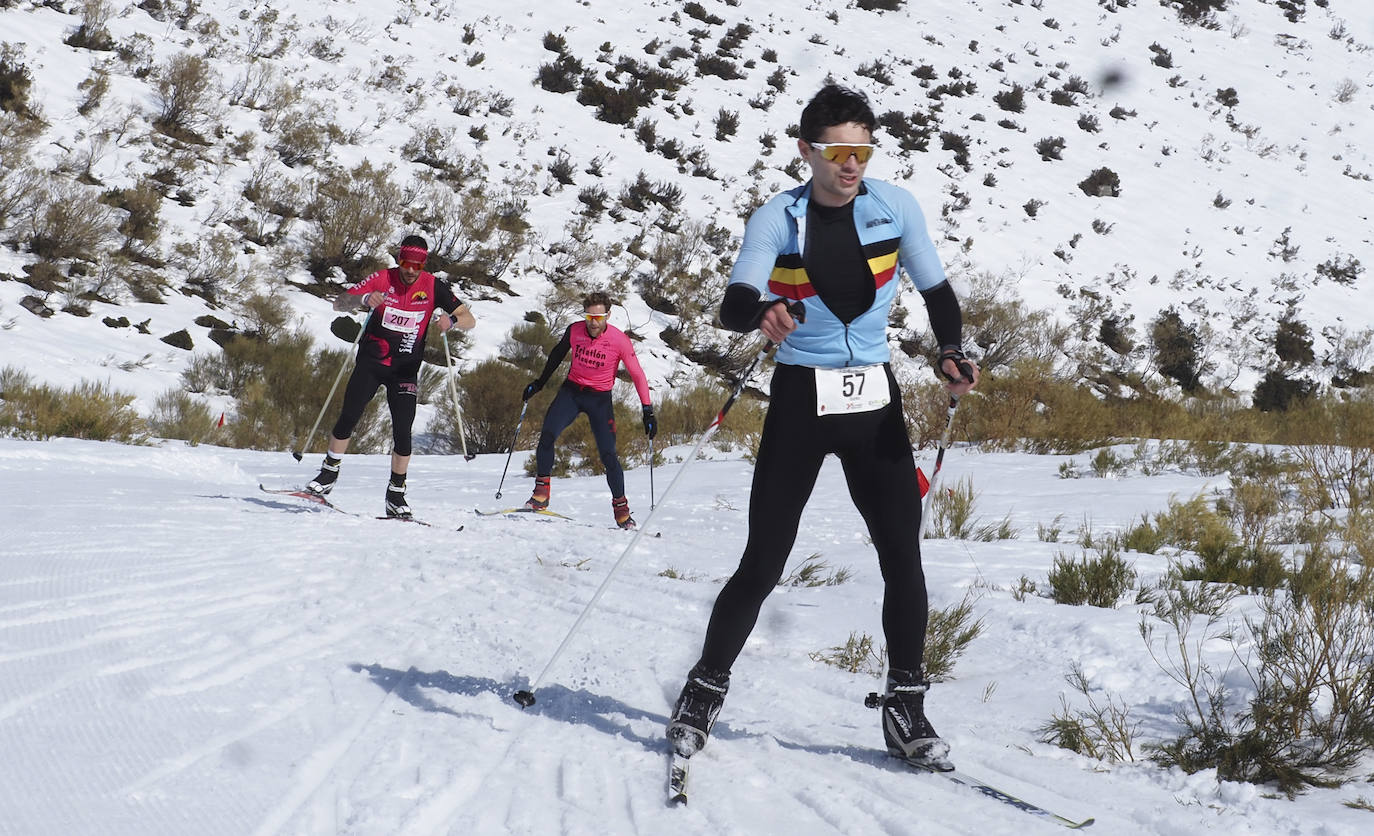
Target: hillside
{"x":1104,"y":160}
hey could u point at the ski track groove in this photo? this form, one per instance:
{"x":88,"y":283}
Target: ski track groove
{"x":214,"y":745}
{"x":322,"y":763}
{"x":294,"y":646}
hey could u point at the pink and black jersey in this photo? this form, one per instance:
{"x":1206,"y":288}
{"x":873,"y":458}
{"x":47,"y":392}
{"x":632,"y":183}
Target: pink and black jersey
{"x":395,"y":332}
{"x":594,"y":361}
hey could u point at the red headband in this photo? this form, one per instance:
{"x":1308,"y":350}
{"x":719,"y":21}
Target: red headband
{"x":414,"y":254}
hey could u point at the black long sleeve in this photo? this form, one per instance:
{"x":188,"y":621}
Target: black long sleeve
{"x":556,"y":355}
{"x":946,"y":320}
{"x":741,"y":309}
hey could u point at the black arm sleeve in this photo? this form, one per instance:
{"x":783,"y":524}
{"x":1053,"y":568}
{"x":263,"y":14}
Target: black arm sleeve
{"x":741,"y":309}
{"x":445,"y":299}
{"x":556,"y":356}
{"x":946,"y":320}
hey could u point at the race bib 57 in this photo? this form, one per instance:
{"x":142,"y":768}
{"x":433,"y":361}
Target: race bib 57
{"x":859,"y":389}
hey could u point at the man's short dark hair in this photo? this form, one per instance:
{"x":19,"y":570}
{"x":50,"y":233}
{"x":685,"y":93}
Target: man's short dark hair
{"x":835,"y":105}
{"x":414,"y":241}
{"x":597,"y":298}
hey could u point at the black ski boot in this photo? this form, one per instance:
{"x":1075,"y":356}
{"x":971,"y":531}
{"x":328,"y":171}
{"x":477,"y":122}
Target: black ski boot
{"x":396,"y":497}
{"x":906,"y":730}
{"x":329,"y":474}
{"x":696,"y":709}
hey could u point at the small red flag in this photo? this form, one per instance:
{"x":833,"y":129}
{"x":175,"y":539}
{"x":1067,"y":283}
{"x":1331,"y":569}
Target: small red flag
{"x":221,"y":423}
{"x":923,"y":482}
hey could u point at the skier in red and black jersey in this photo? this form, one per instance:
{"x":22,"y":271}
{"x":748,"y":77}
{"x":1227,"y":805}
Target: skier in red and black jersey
{"x":402,"y":301}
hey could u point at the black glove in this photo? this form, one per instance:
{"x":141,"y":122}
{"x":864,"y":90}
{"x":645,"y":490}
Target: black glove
{"x":953,"y":352}
{"x":532,"y":389}
{"x":650,"y":422}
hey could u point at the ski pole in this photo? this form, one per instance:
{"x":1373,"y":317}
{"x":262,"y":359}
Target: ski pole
{"x":514,"y":438}
{"x":453,"y":392}
{"x":939,"y":462}
{"x":651,"y":474}
{"x":526,"y":698}
{"x":300,"y":452}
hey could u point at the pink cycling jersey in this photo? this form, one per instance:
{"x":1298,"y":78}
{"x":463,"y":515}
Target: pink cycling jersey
{"x":594,"y":361}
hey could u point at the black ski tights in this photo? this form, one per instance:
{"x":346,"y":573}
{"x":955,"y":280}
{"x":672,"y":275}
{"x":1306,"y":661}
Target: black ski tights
{"x":875,"y":452}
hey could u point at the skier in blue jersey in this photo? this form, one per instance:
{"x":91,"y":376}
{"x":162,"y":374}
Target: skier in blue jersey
{"x":836,"y":246}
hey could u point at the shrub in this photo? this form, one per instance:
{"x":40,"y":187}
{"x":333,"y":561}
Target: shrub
{"x":179,"y":339}
{"x":1103,"y":182}
{"x":912,"y":132}
{"x":1050,"y":148}
{"x":812,"y":573}
{"x":716,"y":65}
{"x":949,"y":633}
{"x":695,"y":11}
{"x":490,"y":394}
{"x":685,"y":412}
{"x":1177,"y":350}
{"x":1105,"y":732}
{"x":1063,"y":98}
{"x":143,"y":203}
{"x":1142,"y":537}
{"x":1013,"y":100}
{"x":184,"y":90}
{"x":1341,"y":269}
{"x":280,"y":387}
{"x":1201,"y":12}
{"x":615,"y":106}
{"x":856,"y":655}
{"x":68,"y":221}
{"x":593,"y":199}
{"x":952,"y":516}
{"x":92,"y":34}
{"x":561,"y":169}
{"x":727,"y":123}
{"x":176,"y":414}
{"x":352,"y":212}
{"x":1293,"y":342}
{"x":1097,"y":582}
{"x":1308,"y":718}
{"x":560,"y":75}
{"x":876,"y":70}
{"x":958,"y":143}
{"x":87,"y":410}
{"x":301,"y":138}
{"x":211,"y":266}
{"x":1195,"y":527}
{"x":20,"y":188}
{"x":1277,"y":392}
{"x":15,"y":82}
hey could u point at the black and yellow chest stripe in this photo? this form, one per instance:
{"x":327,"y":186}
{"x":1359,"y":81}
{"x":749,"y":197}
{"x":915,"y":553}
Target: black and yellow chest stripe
{"x":789,"y":278}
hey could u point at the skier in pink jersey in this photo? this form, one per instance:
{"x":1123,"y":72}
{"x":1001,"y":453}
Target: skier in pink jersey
{"x":598,"y":349}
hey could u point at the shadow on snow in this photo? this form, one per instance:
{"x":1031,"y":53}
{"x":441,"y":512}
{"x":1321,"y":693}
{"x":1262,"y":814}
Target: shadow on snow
{"x":581,"y":707}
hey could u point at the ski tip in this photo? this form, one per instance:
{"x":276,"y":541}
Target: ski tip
{"x":525,"y":698}
{"x":1082,"y":824}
